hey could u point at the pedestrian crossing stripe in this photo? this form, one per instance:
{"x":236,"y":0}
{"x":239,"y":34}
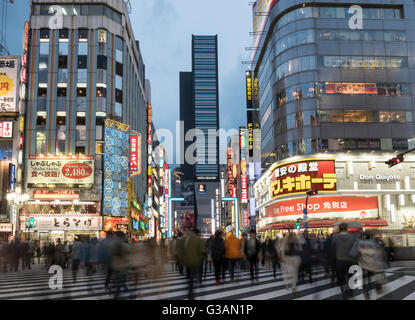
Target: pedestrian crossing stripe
{"x":33,"y":285}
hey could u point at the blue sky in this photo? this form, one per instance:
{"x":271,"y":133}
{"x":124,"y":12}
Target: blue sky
{"x":164,"y":29}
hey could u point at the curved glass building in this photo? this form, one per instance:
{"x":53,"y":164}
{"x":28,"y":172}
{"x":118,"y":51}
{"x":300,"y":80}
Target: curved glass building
{"x":324,"y":86}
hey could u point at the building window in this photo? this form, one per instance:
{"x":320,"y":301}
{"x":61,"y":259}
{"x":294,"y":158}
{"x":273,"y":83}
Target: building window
{"x":40,"y":141}
{"x":119,"y":69}
{"x":63,"y":62}
{"x":101,"y":92}
{"x":40,"y":120}
{"x":44,"y":34}
{"x":102,"y":36}
{"x":61,"y":92}
{"x":118,"y":96}
{"x":42,"y":92}
{"x":82,"y":62}
{"x":83,"y":48}
{"x":81,"y":92}
{"x":44,"y":48}
{"x":63,"y":34}
{"x":82,"y":35}
{"x":101,"y":62}
{"x":63,"y":48}
{"x":79,"y":149}
{"x":82,"y":75}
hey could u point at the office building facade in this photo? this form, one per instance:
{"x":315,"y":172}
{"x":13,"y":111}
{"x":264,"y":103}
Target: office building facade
{"x":86,"y":96}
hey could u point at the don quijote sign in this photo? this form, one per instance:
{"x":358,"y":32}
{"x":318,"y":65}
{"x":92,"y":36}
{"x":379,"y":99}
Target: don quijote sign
{"x":60,"y":169}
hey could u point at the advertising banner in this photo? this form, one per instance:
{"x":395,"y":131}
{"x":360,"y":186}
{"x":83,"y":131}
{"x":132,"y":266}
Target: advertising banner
{"x":324,"y":208}
{"x":8,"y":84}
{"x":244,"y":188}
{"x":60,"y":169}
{"x":298,"y":177}
{"x":166,"y":195}
{"x":115,"y":224}
{"x":6,"y":129}
{"x":55,"y":195}
{"x":245,"y":217}
{"x":350,"y":88}
{"x":134,"y":152}
{"x":63,"y":222}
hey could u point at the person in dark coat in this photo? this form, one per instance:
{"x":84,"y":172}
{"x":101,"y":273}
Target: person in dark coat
{"x":218,"y":256}
{"x":252,"y":249}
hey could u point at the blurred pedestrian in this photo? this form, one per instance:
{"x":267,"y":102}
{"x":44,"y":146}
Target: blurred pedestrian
{"x":291,"y":257}
{"x":208,"y":260}
{"x":59,"y":254}
{"x":252,"y":251}
{"x":271,"y":255}
{"x":218,"y":256}
{"x":76,"y":257}
{"x":370,"y":257}
{"x":343,"y":242}
{"x":192,"y":249}
{"x":233,"y":249}
{"x":38,"y":253}
{"x":330,"y":258}
{"x":244,"y":261}
{"x":119,"y":260}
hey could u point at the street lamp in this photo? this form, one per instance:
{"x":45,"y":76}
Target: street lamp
{"x":309,"y":193}
{"x":16,"y":200}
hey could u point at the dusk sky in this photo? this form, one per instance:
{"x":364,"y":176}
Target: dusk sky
{"x":164,"y":29}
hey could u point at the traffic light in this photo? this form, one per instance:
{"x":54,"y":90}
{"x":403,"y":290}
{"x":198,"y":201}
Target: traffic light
{"x":298,"y":225}
{"x":312,"y":192}
{"x":394,"y":161}
{"x":31,"y":222}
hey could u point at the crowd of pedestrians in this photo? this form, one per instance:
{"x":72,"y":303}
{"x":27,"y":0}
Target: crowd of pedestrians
{"x":296,"y":256}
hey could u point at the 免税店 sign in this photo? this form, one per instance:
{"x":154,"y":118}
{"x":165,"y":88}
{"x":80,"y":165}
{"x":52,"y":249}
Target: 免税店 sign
{"x":60,"y":169}
{"x":300,"y":176}
{"x":324,"y":207}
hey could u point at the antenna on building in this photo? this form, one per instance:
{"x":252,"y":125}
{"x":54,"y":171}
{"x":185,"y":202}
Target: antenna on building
{"x":128,"y":5}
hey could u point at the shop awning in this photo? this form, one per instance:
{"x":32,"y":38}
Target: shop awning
{"x":327,"y":224}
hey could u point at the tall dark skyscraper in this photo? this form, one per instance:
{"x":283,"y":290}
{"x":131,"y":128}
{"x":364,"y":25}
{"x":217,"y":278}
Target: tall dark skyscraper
{"x":199,"y":109}
{"x":206,"y":104}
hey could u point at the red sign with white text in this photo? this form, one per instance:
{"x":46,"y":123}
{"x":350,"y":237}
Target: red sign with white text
{"x":363,"y":207}
{"x":244,"y":188}
{"x":300,"y":176}
{"x":134,"y":152}
{"x":6,"y":129}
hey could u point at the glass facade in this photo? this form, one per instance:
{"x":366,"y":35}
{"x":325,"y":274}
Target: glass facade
{"x":316,"y":73}
{"x":204,"y":52}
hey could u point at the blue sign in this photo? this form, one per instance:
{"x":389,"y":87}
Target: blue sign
{"x":135,"y":224}
{"x":12,"y":174}
{"x":305,"y":211}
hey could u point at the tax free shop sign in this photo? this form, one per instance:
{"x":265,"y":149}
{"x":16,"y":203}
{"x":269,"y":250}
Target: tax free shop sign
{"x":323,"y":208}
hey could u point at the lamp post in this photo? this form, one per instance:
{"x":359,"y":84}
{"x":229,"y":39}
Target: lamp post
{"x":309,"y":193}
{"x":16,"y":200}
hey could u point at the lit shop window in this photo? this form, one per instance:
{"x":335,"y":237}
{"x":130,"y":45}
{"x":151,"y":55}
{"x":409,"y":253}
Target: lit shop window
{"x":102,"y":36}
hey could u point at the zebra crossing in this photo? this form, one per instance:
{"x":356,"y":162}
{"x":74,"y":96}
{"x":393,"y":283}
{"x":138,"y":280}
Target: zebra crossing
{"x":34,"y":285}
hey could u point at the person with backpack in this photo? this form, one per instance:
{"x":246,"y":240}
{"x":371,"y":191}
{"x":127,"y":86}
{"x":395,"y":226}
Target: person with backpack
{"x":252,"y":250}
{"x":218,"y":256}
{"x":291,"y":257}
{"x":370,"y":256}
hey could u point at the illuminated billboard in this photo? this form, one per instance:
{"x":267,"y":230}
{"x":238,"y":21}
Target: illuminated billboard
{"x":297,"y":177}
{"x":60,"y":169}
{"x":116,"y":170}
{"x":8,"y":84}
